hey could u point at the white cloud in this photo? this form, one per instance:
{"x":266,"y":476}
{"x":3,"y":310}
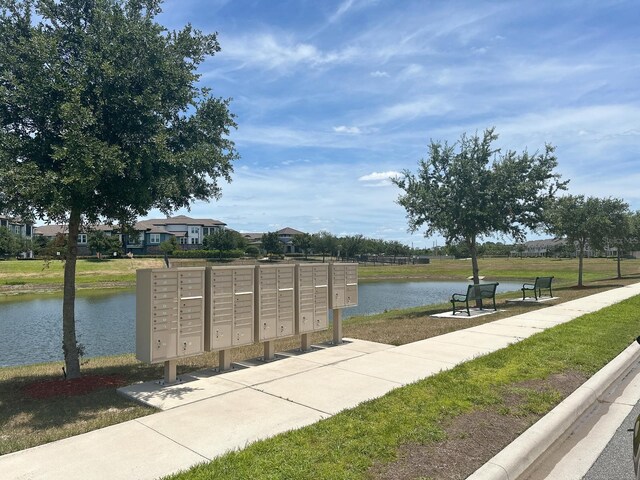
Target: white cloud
{"x":348,"y":5}
{"x":379,"y":74}
{"x":342,"y":9}
{"x":276,"y":52}
{"x":379,"y":179}
{"x":412,"y":71}
{"x":345,"y":129}
{"x":406,"y":111}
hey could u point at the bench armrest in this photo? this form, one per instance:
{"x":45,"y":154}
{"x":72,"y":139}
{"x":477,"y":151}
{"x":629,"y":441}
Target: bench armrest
{"x":528,"y":285}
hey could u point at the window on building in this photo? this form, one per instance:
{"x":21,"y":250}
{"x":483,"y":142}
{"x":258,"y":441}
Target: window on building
{"x":82,"y":238}
{"x":195,"y":230}
{"x":154,"y":238}
{"x":183,"y":240}
{"x":194,"y":241}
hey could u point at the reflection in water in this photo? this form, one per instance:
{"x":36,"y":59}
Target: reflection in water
{"x":31,"y":326}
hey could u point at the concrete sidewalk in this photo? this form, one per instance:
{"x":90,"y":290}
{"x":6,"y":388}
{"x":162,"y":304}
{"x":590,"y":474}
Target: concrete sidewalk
{"x":208,"y":414}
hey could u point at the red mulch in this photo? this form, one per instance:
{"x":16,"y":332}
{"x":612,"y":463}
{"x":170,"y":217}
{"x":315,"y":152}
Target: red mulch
{"x":68,"y":388}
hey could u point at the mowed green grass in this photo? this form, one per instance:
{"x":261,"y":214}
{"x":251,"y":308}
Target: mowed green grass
{"x":38,"y":272}
{"x":565,"y":271}
{"x":348,"y":445}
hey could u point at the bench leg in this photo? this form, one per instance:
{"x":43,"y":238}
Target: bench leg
{"x":494,"y":305}
{"x":467,"y":304}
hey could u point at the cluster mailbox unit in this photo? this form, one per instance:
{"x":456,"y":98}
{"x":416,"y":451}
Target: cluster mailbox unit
{"x":229,"y":307}
{"x":187,"y":311}
{"x":343,"y":292}
{"x":312,"y":300}
{"x":274,"y":305}
{"x":169,"y":315}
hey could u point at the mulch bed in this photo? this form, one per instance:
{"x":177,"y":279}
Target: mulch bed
{"x":68,"y":388}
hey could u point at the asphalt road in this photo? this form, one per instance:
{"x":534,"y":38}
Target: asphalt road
{"x":616,"y":460}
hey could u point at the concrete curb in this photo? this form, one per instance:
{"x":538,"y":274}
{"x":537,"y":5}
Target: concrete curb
{"x":516,"y":457}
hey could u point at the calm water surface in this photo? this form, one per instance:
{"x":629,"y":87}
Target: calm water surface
{"x":31,"y":326}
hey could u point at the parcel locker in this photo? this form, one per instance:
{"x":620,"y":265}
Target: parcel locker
{"x":312,"y":297}
{"x":343,"y":285}
{"x":169,"y":313}
{"x":274,"y":302}
{"x":229,"y":318}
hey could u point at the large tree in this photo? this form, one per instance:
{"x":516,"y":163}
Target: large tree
{"x":9,"y":242}
{"x":587,"y":222}
{"x":302,"y":241}
{"x":325,"y":243}
{"x":223,"y":239}
{"x":103,"y":244}
{"x":271,"y":242}
{"x":470,"y":189}
{"x":101,"y":119}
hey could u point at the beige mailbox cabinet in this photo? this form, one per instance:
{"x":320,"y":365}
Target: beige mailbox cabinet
{"x":229,"y":320}
{"x":169,"y":313}
{"x":274,"y":301}
{"x":343,"y":285}
{"x":312,"y":298}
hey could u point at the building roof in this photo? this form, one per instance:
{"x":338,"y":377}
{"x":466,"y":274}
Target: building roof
{"x":547,"y":242}
{"x":14,"y":220}
{"x":253,"y":236}
{"x":54,"y":229}
{"x":184,"y":220}
{"x":289,"y":231}
{"x":50,"y":230}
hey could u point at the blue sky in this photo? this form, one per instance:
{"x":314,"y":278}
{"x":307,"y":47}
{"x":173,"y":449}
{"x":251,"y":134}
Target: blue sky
{"x":333,"y":97}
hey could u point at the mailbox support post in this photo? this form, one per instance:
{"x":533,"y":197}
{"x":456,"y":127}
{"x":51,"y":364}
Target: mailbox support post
{"x":305,"y":342}
{"x":269,"y":350}
{"x":170,"y":372}
{"x":224,"y":360}
{"x":337,"y":326}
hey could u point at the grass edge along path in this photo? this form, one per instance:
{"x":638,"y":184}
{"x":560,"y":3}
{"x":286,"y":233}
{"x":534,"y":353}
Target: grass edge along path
{"x":352,"y":443}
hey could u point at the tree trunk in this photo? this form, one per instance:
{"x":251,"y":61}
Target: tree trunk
{"x":580,"y":262}
{"x":471,"y":243}
{"x":619,"y":269}
{"x":69,"y":341}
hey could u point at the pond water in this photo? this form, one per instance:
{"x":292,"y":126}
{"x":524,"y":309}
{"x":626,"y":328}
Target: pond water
{"x":31,"y":326}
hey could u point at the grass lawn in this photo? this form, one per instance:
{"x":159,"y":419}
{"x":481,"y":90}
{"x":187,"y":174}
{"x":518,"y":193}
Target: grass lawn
{"x":564,"y":270}
{"x":17,"y":276}
{"x":93,"y":271}
{"x":421,"y":421}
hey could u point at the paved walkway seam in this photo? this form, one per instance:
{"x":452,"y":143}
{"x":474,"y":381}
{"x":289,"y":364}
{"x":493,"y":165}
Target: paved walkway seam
{"x":172,"y":440}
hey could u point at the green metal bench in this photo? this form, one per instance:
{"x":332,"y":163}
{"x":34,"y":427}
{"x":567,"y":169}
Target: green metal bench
{"x":475,"y":292}
{"x":537,"y":286}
